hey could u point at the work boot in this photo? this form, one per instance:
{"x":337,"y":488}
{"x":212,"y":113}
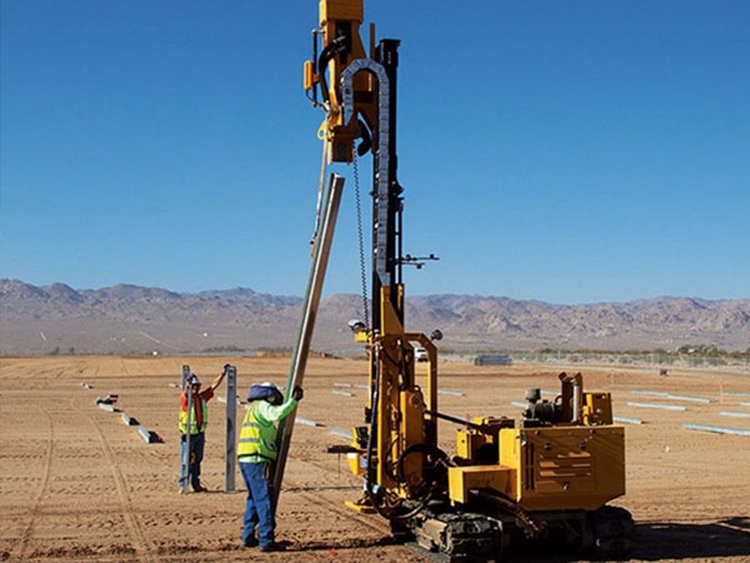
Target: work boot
{"x":200,"y":489}
{"x":273,"y":546}
{"x":250,"y":542}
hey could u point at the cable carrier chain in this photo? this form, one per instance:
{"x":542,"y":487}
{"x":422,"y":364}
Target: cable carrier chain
{"x":544,"y":479}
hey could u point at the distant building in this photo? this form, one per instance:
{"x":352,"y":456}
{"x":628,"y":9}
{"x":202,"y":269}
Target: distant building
{"x":493,"y":360}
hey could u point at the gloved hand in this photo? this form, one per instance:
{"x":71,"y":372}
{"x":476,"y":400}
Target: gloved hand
{"x":298,"y":393}
{"x":226,"y":368}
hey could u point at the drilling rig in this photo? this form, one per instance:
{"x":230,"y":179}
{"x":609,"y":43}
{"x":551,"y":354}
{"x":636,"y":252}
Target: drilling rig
{"x":544,"y":478}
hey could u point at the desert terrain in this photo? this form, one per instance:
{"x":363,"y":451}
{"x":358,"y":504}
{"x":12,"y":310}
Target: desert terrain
{"x":76,"y":483}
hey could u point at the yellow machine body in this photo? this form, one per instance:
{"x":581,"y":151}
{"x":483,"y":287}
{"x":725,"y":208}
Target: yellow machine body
{"x":573,"y":461}
{"x":575,"y":464}
{"x":549,"y":468}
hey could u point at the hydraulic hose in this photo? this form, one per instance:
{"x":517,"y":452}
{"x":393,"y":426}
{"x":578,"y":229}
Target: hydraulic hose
{"x":329,"y":51}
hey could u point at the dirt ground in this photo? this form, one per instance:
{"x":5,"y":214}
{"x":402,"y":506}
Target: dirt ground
{"x":76,"y":483}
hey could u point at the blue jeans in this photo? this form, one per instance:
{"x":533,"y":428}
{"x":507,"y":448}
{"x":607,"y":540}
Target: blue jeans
{"x":259,"y":505}
{"x":197,"y":443}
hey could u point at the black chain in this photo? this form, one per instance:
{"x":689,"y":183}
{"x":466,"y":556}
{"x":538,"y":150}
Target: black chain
{"x":361,"y":239}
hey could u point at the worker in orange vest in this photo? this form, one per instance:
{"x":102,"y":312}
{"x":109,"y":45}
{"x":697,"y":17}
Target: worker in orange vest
{"x":198,"y":424}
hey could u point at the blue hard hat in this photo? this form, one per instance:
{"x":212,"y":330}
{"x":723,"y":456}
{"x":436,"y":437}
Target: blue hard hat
{"x":262,"y":391}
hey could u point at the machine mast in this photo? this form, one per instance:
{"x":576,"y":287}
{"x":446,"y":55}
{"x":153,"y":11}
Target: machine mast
{"x":388,"y":253}
{"x":358,"y":93}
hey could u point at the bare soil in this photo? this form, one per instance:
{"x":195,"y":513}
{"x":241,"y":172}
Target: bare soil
{"x":76,"y":483}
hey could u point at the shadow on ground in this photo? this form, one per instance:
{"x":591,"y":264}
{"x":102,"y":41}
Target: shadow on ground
{"x":725,"y":538}
{"x":651,"y":542}
{"x":656,"y":541}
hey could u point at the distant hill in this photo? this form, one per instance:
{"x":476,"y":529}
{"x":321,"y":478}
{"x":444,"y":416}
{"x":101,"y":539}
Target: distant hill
{"x":127,"y":319}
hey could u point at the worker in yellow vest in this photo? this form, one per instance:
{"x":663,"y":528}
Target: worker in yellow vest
{"x":257,"y":451}
{"x":197,"y":430}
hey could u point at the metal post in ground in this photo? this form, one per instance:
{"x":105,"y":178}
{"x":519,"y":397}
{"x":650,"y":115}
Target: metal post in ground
{"x":230,"y":458}
{"x":186,"y":455}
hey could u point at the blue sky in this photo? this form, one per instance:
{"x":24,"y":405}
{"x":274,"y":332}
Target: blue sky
{"x":566,"y":151}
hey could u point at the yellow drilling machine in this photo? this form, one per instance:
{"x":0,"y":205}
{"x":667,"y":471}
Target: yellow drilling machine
{"x":540,"y":480}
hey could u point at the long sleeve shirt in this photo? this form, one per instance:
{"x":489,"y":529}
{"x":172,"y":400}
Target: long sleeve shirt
{"x":268,"y":414}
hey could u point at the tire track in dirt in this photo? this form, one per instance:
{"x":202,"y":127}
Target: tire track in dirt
{"x":375,"y":524}
{"x":135,"y":530}
{"x":334,"y":505}
{"x":36,"y":510}
{"x":337,"y":508}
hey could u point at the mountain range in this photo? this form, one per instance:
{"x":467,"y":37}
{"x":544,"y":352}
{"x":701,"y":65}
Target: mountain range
{"x":129,"y":319}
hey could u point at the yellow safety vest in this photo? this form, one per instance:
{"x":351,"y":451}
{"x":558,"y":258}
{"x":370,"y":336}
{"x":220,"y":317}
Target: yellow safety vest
{"x":257,"y":438}
{"x":194,"y":419}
